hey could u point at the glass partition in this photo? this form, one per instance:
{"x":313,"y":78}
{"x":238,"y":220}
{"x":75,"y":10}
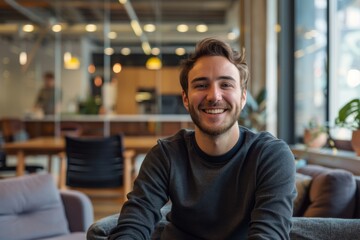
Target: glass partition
{"x":105,"y":58}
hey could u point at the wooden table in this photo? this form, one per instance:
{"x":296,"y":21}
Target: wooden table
{"x":56,"y":146}
{"x":53,"y":146}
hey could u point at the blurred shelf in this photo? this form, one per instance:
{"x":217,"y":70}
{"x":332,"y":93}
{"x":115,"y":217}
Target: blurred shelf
{"x":330,"y":157}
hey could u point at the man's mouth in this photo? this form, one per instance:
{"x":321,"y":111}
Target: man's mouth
{"x":214,"y":111}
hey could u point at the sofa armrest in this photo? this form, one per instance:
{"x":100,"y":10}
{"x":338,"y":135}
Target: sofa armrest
{"x":100,"y":229}
{"x":78,"y":210}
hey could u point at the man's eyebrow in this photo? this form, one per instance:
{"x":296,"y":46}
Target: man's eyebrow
{"x":225,"y":78}
{"x":197,"y":79}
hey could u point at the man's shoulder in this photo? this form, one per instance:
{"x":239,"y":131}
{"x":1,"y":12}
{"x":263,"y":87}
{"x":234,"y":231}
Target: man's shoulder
{"x":262,"y":138}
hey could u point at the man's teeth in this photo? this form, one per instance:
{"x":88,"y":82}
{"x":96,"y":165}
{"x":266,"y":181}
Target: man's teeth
{"x":214,"y":111}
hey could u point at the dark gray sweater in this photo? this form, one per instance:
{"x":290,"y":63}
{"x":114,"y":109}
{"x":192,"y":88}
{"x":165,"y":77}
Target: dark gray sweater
{"x":245,"y":194}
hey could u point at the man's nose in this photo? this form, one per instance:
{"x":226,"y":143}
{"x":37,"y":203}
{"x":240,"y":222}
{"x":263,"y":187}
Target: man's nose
{"x":214,"y":94}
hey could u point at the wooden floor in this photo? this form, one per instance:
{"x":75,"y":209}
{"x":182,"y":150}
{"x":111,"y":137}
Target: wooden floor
{"x":104,"y":207}
{"x":105,"y":202}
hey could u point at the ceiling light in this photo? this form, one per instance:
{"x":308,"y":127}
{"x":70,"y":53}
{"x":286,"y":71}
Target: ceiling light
{"x":153,"y":63}
{"x":73,"y":63}
{"x":149,"y":27}
{"x":23,"y":58}
{"x":90,"y":28}
{"x":109,"y":51}
{"x":182,"y":28}
{"x":98,"y":81}
{"x":112,"y":35}
{"x":155,"y":51}
{"x":91,"y":68}
{"x":28,"y":28}
{"x":146,"y":48}
{"x":202,"y":28}
{"x":56,"y":28}
{"x":117,"y":68}
{"x":67,"y":56}
{"x":136,"y":27}
{"x":180,"y":51}
{"x":125,"y":51}
{"x":122,"y":1}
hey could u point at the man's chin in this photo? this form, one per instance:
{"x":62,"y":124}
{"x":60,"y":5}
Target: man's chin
{"x":213,"y":130}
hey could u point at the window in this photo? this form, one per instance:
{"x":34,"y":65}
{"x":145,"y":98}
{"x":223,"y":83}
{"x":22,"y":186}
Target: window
{"x":327,"y":61}
{"x":344,"y":58}
{"x":310,"y":62}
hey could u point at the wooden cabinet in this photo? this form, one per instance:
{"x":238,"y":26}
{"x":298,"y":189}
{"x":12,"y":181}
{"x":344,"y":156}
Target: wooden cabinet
{"x":130,"y":79}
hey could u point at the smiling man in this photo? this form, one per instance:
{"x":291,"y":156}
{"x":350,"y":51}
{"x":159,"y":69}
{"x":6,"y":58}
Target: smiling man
{"x":223,"y":180}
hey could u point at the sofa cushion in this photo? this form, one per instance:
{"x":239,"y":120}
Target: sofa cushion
{"x":324,"y":228}
{"x":31,"y":208}
{"x":332,"y":194}
{"x":302,"y":199}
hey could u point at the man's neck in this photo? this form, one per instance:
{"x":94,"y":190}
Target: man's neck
{"x":217,"y":145}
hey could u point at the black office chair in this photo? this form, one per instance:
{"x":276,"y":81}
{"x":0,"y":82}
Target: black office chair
{"x":94,"y":162}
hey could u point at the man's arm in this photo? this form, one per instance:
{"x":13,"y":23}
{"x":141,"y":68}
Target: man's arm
{"x":141,"y":212}
{"x":275,"y":192}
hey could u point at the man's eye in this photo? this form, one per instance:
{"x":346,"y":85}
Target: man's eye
{"x":226,"y":85}
{"x":200,"y":86}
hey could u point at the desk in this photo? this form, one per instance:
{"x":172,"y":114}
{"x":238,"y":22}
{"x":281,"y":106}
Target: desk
{"x":56,"y":146}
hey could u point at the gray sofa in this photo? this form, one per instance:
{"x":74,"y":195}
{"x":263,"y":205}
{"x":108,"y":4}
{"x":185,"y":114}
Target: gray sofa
{"x":327,"y":207}
{"x":31,"y":207}
{"x":303,"y":228}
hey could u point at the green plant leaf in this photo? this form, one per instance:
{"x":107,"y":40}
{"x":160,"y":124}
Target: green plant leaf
{"x":349,"y":115}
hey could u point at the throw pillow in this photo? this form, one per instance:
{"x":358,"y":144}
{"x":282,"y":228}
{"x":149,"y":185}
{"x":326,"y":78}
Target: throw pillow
{"x":31,"y":208}
{"x":332,"y":194}
{"x":302,"y":187}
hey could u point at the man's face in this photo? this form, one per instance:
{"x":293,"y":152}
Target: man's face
{"x":214,"y":98}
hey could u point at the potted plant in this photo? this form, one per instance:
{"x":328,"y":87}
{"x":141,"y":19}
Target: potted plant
{"x":315,"y":134}
{"x":349,"y":117}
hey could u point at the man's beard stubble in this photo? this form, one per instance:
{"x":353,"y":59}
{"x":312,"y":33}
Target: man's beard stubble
{"x":213,"y":131}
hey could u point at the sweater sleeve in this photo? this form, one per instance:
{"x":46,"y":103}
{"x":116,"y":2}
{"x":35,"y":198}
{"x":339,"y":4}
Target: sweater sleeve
{"x":275,"y":192}
{"x":141,"y":212}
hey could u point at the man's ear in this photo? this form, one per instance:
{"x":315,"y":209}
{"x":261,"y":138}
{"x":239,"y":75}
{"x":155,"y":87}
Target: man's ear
{"x":185,"y":100}
{"x":243,"y":98}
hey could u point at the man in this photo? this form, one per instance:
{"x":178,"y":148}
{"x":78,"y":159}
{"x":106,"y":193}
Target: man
{"x":48,"y":98}
{"x":223,"y":181}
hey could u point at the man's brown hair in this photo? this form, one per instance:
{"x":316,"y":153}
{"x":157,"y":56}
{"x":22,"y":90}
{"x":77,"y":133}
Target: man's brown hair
{"x":214,"y":47}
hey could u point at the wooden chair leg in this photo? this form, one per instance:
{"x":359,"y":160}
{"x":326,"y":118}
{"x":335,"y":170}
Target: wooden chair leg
{"x":128,"y":171}
{"x":62,"y":171}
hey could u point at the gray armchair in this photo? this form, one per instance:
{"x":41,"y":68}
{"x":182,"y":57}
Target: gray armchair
{"x":31,"y":207}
